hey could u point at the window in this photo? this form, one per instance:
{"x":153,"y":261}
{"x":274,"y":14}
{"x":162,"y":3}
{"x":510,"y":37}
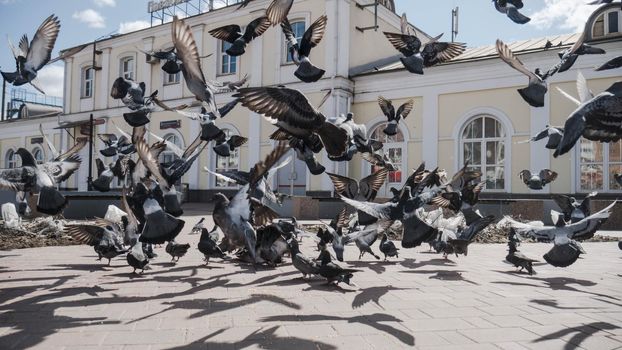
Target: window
{"x":87,"y":82}
{"x":598,"y":162}
{"x":483,"y":146}
{"x":167,"y":157}
{"x":170,"y":79}
{"x":10,"y":161}
{"x":299,"y":28}
{"x":228,"y":64}
{"x":127,"y":68}
{"x":37,"y":153}
{"x":227,"y":163}
{"x":394,"y":149}
{"x":606,"y":24}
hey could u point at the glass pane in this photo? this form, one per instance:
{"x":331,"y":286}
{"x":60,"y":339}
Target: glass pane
{"x":591,"y":151}
{"x":491,"y":153}
{"x":494,"y":178}
{"x":477,"y":153}
{"x":490,"y":126}
{"x":613,"y":22}
{"x":614,"y":170}
{"x":477,"y":128}
{"x":468,"y":131}
{"x":615,"y":152}
{"x":599,"y":27}
{"x":591,"y":177}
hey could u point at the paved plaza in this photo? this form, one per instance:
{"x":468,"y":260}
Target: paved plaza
{"x":61,"y":298}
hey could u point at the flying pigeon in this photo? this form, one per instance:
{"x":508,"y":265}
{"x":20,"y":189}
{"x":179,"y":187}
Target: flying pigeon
{"x":115,"y":145}
{"x":553,"y":134}
{"x":132,"y":95}
{"x":300,"y":51}
{"x":30,"y":58}
{"x":233,"y":34}
{"x":537,"y":181}
{"x":394,"y":117}
{"x":613,"y":63}
{"x":573,"y":211}
{"x":537,"y":88}
{"x":104,"y":236}
{"x":510,"y":8}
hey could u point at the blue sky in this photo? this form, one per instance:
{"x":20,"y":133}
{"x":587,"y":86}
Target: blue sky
{"x":86,"y":20}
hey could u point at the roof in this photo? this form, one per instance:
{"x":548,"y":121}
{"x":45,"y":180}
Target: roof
{"x":490,"y":51}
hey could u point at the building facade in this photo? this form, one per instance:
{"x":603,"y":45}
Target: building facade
{"x":466,"y":110}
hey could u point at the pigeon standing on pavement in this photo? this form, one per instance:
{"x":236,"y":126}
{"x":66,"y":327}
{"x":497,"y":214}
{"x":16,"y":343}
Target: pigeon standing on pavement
{"x":387,"y":247}
{"x":176,"y":250}
{"x":517,"y":258}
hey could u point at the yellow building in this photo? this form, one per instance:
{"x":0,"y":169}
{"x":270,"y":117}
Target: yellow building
{"x":467,"y":109}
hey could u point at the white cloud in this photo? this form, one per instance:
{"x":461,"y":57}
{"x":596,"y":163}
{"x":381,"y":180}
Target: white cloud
{"x":51,"y":79}
{"x":565,"y":14}
{"x":102,"y":3}
{"x":127,"y":27}
{"x":90,"y":17}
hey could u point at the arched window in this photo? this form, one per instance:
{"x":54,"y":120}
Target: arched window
{"x":598,"y":163}
{"x":483,"y":147}
{"x":11,"y":159}
{"x":299,"y":27}
{"x":126,"y":67}
{"x":227,"y":163}
{"x":37,"y":153}
{"x":87,"y":82}
{"x":395,"y":149}
{"x":608,"y":23}
{"x":167,"y":157}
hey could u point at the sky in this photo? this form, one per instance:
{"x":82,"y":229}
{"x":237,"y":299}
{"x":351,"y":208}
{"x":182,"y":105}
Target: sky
{"x":85,"y":20}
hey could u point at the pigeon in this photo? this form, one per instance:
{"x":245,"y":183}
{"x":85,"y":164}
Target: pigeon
{"x":534,"y":93}
{"x":380,"y":160}
{"x":137,"y":258}
{"x":572,"y":210}
{"x":510,"y":8}
{"x":333,"y":272}
{"x":208,"y":245}
{"x":394,"y":117}
{"x":537,"y":181}
{"x":517,"y":258}
{"x":197,"y":228}
{"x":300,"y":51}
{"x":271,"y":245}
{"x":176,"y":250}
{"x":233,"y":34}
{"x":115,"y":145}
{"x":357,"y":134}
{"x":30,"y":58}
{"x":553,"y":134}
{"x":460,"y":244}
{"x":40,"y":178}
{"x":277,"y":10}
{"x":172,"y":64}
{"x":434,"y":52}
{"x":301,"y":262}
{"x":364,"y":239}
{"x":600,"y":2}
{"x":306,"y":155}
{"x":365,"y":190}
{"x":566,"y":249}
{"x":597,"y":118}
{"x":132,"y":95}
{"x":159,"y":226}
{"x":104,"y":236}
{"x":613,"y":63}
{"x":290,"y":111}
{"x":58,"y":156}
{"x":618,"y":178}
{"x":188,"y":54}
{"x":130,"y":223}
{"x":387,"y":247}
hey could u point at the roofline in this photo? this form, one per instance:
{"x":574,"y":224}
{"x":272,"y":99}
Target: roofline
{"x":489,"y":57}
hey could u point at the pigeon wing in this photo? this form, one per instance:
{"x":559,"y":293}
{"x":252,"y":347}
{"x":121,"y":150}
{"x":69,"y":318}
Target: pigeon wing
{"x":40,"y":50}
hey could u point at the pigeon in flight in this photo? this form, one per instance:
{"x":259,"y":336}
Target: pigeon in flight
{"x":233,"y":34}
{"x":300,"y":51}
{"x":537,"y":181}
{"x":393,"y":117}
{"x":573,"y":211}
{"x":290,"y":110}
{"x":277,"y":10}
{"x":613,"y":63}
{"x":115,"y":145}
{"x":415,"y":58}
{"x":566,"y":249}
{"x":104,"y":236}
{"x":31,"y":57}
{"x":132,"y":95}
{"x":510,"y":8}
{"x":537,"y":88}
{"x":553,"y":134}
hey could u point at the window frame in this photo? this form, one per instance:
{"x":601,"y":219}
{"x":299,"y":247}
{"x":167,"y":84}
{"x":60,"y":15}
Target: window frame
{"x":605,"y":18}
{"x":84,"y":82}
{"x":10,"y":160}
{"x":122,"y":72}
{"x":483,"y":140}
{"x":605,"y":163}
{"x":34,"y":154}
{"x":223,"y":46}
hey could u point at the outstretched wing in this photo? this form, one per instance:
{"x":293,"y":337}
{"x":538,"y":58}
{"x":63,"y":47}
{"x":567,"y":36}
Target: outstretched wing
{"x":508,"y":57}
{"x":40,"y":50}
{"x":370,"y":185}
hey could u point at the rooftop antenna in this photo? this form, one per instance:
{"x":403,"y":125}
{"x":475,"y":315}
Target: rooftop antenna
{"x":454,"y":23}
{"x":362,"y":7}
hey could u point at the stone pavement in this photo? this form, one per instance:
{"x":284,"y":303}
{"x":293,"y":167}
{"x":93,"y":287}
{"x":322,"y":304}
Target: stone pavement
{"x":61,"y":298}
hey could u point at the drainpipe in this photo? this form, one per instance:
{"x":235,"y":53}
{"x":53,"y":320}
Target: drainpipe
{"x":89,"y":180}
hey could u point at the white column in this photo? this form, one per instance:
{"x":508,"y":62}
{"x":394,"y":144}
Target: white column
{"x":67,"y":85}
{"x":539,"y":155}
{"x":140,"y":61}
{"x":430,"y":130}
{"x":254,"y":119}
{"x":102,"y":91}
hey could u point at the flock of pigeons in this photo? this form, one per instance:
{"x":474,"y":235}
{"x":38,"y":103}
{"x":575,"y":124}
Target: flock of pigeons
{"x":150,"y":211}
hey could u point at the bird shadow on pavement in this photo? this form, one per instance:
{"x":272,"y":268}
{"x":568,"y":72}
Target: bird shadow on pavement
{"x":372,"y":294}
{"x":556,"y":283}
{"x":581,"y":333}
{"x":376,"y":266}
{"x":410,"y":263}
{"x":377,"y":321}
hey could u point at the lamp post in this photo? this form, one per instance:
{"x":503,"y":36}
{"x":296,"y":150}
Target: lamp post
{"x":89,"y":180}
{"x":3,"y":98}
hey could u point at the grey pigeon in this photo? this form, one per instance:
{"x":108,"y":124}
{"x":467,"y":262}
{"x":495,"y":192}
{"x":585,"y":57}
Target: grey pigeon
{"x":333,"y":272}
{"x":102,"y":235}
{"x":510,"y":8}
{"x":387,"y":247}
{"x":233,"y":34}
{"x":394,"y":117}
{"x":534,"y":93}
{"x":517,"y":258}
{"x":611,"y":64}
{"x":176,"y":250}
{"x":553,"y":135}
{"x":573,"y":211}
{"x":300,"y":51}
{"x":137,"y":258}
{"x":539,"y":180}
{"x":301,"y":262}
{"x":208,"y":245}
